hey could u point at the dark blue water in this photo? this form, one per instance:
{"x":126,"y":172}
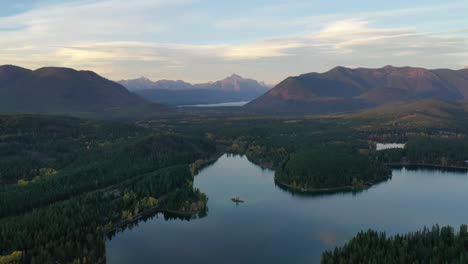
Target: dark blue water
{"x":275,"y":226}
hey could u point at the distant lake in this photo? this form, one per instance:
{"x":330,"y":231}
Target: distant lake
{"x":276,"y":226}
{"x":241,"y":103}
{"x":382,"y":146}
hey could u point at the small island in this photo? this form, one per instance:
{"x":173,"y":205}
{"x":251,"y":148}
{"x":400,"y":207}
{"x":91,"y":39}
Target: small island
{"x":330,"y":169}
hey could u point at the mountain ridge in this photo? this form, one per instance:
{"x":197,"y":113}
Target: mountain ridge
{"x":59,"y":89}
{"x":362,"y":88}
{"x":176,"y":92}
{"x":136,"y":83}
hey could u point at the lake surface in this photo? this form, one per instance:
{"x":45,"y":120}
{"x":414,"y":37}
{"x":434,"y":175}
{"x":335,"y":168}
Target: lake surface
{"x":276,"y":226}
{"x":241,"y":103}
{"x":382,"y":146}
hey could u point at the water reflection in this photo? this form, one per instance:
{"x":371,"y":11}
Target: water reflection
{"x":277,"y":226}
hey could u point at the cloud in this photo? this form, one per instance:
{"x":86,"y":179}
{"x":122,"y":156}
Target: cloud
{"x":262,"y":49}
{"x":86,"y":20}
{"x":170,"y":39}
{"x":358,"y":30}
{"x":360,"y":36}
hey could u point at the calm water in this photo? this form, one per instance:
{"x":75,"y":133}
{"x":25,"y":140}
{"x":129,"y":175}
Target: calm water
{"x":275,"y":226}
{"x":241,"y":103}
{"x":382,"y":146}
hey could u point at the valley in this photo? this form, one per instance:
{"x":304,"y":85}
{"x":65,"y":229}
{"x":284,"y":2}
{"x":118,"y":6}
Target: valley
{"x":231,"y":89}
{"x":180,"y":131}
{"x":90,"y":183}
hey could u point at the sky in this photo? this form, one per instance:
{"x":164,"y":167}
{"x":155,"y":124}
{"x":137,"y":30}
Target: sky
{"x":205,"y":40}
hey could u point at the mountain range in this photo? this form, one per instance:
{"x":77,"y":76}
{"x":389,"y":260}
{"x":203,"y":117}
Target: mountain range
{"x":61,"y":90}
{"x":231,"y":89}
{"x":345,"y":89}
{"x":64,"y":90}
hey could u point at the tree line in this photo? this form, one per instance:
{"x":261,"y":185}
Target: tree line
{"x":430,"y":245}
{"x":87,"y":177}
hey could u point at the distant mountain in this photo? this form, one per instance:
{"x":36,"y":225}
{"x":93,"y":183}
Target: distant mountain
{"x":344,"y":89}
{"x":58,"y":90}
{"x":143,"y":83}
{"x":237,"y":84}
{"x":231,"y":89}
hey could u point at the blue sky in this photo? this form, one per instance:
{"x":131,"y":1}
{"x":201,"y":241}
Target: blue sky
{"x":202,"y":40}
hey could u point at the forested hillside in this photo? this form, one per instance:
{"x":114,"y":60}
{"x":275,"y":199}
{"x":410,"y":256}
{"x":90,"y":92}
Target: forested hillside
{"x":434,"y":245}
{"x":87,"y":177}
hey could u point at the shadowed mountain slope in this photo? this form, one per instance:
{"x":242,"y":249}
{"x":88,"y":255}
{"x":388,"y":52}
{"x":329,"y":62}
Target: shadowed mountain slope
{"x":344,"y":89}
{"x":58,"y":90}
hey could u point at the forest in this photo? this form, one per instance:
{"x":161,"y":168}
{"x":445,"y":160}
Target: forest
{"x":86,"y":179}
{"x":29,"y":143}
{"x":330,"y":166}
{"x":430,"y":245}
{"x":83,"y":179}
{"x":308,"y":154}
{"x":429,"y":151}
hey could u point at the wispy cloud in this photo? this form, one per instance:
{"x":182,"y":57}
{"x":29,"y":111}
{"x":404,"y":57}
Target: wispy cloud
{"x":360,"y":36}
{"x":181,"y":40}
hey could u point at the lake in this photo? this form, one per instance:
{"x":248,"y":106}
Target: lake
{"x":383,"y":146}
{"x":227,"y":104}
{"x":276,"y":226}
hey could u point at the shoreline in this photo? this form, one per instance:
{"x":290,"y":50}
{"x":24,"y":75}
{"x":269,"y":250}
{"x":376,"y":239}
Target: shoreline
{"x":263,"y":165}
{"x":347,"y":188}
{"x":313,"y":190}
{"x":198,"y":165}
{"x":430,"y":166}
{"x":148,"y":213}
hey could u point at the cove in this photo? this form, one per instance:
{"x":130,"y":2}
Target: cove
{"x":277,"y":226}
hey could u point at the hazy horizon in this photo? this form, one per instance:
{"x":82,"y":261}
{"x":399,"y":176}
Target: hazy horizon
{"x":271,"y":85}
